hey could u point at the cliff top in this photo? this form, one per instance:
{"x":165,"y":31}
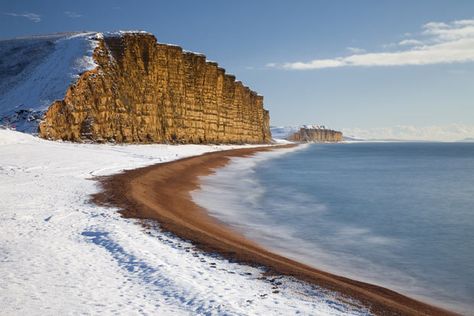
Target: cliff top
{"x":283,"y":132}
{"x":122,"y":33}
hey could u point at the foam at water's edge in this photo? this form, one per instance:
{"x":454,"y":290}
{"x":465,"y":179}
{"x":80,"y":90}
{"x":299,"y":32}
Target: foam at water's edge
{"x":234,"y":195}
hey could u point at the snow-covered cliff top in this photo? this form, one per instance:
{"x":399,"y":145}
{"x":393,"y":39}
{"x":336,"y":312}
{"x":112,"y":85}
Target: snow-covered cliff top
{"x":37,"y":70}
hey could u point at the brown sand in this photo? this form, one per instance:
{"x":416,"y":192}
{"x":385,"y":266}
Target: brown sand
{"x":162,"y":192}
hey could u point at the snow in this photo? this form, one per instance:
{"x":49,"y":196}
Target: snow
{"x":283,"y":132}
{"x":36,"y":71}
{"x":280,"y":141}
{"x":194,"y":53}
{"x":120,"y":33}
{"x":60,"y":254}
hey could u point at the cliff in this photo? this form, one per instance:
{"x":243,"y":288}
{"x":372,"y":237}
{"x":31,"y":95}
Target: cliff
{"x":316,"y":135}
{"x":143,"y":91}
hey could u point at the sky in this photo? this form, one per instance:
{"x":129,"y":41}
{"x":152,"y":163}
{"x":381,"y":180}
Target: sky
{"x":404,"y":69}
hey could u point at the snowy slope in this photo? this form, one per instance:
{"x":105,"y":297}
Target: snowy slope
{"x":36,"y":71}
{"x":283,"y":132}
{"x":60,"y":254}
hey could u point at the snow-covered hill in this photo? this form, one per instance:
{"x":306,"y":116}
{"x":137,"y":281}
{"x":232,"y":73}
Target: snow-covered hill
{"x":282,"y":132}
{"x":35,"y":71}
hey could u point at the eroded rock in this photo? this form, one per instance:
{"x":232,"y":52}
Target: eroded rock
{"x":144,"y":92}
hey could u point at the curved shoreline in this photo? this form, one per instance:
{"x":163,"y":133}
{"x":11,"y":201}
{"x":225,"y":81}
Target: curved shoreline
{"x":162,"y":192}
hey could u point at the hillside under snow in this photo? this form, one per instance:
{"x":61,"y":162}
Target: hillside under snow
{"x":35,"y":71}
{"x":283,"y":132}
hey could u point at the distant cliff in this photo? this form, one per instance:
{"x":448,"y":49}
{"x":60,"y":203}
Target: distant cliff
{"x":310,"y":134}
{"x":143,"y":91}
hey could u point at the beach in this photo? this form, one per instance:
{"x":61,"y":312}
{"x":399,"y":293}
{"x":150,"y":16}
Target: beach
{"x":61,"y":253}
{"x":232,"y":158}
{"x":162,"y":192}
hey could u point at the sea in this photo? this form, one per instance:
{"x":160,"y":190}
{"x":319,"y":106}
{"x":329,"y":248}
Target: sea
{"x":396,"y":214}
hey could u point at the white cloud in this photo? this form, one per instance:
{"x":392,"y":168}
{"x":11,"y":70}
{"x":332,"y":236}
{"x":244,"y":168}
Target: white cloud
{"x":440,"y":43}
{"x":436,"y":25}
{"x":452,"y":132}
{"x":410,"y":42}
{"x":72,"y":14}
{"x":28,"y":15}
{"x":389,"y":45}
{"x":356,"y":50}
{"x":442,"y":32}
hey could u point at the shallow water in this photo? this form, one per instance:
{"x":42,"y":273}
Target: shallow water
{"x":399,"y":215}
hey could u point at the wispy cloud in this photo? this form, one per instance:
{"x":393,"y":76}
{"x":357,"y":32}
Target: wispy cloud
{"x":410,"y":42}
{"x":451,"y":132}
{"x":356,"y":50}
{"x":28,"y":15}
{"x":437,"y":43}
{"x":73,"y":15}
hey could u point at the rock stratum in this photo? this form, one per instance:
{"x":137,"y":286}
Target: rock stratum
{"x":311,"y":134}
{"x":132,"y":89}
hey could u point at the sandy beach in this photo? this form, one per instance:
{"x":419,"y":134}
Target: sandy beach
{"x":162,"y":192}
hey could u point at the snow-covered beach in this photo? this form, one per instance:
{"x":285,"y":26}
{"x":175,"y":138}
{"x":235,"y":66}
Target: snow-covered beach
{"x":59,"y":253}
{"x":63,"y":250}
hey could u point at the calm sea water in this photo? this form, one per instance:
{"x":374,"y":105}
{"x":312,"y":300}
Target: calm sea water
{"x":399,"y":215}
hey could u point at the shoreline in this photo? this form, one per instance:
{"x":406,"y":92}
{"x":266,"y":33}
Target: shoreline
{"x":162,"y":192}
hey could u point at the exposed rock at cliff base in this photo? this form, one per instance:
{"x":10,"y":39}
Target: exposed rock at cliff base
{"x":143,"y":91}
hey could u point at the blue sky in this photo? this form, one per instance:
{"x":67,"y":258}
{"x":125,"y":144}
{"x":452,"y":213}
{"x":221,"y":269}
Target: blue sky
{"x":345,"y":64}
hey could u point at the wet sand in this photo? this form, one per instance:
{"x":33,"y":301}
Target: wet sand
{"x":162,"y":192}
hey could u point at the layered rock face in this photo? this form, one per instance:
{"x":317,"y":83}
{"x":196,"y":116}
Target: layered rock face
{"x":144,"y":92}
{"x":316,"y":135}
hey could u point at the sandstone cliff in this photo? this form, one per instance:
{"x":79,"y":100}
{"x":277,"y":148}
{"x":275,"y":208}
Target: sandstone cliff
{"x":143,"y":91}
{"x":316,"y":135}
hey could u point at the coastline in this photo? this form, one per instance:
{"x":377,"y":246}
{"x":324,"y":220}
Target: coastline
{"x":162,"y":192}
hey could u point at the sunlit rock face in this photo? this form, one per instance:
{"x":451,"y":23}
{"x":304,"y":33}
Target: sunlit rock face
{"x":144,"y":92}
{"x":316,"y":135}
